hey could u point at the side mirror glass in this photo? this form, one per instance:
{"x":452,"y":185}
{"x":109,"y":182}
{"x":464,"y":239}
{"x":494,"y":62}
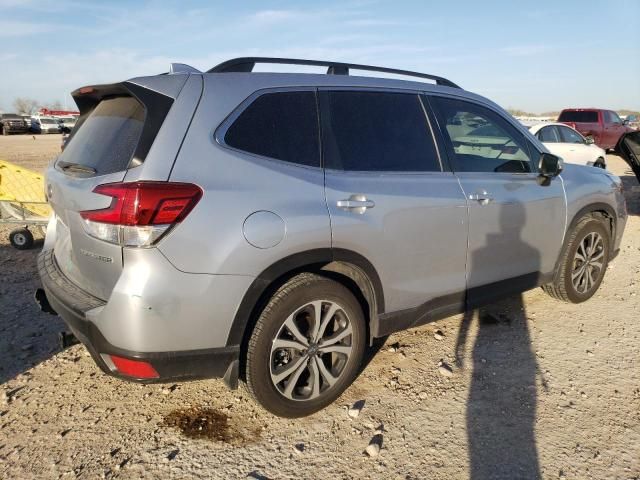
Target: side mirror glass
{"x":626,"y":121}
{"x":550,"y":166}
{"x":589,"y":140}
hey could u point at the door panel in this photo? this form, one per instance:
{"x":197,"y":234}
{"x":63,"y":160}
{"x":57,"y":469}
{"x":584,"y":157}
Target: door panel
{"x":415,"y":235}
{"x":516,"y":225}
{"x":387,"y":195}
{"x":579,"y":153}
{"x":518,"y":232}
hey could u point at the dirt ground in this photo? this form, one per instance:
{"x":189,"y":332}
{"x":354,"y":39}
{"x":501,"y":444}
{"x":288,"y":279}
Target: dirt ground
{"x":537,"y":389}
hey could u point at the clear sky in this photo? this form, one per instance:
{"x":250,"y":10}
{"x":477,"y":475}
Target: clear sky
{"x":536,"y":55}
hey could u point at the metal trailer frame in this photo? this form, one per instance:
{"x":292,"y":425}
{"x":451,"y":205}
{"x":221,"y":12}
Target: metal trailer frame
{"x":16,"y":212}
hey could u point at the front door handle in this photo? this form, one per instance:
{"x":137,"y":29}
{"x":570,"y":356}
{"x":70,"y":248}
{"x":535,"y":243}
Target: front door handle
{"x":482,"y":197}
{"x":356,"y":203}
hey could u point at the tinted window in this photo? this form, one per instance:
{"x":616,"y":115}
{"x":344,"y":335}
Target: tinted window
{"x":375,"y":131}
{"x":282,"y":125}
{"x":549,"y":135}
{"x":579,"y":116}
{"x":107,"y":139}
{"x":612,"y":117}
{"x":481,"y":140}
{"x":570,"y":136}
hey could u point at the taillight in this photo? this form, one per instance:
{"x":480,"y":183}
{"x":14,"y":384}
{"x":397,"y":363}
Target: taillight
{"x":140,"y":212}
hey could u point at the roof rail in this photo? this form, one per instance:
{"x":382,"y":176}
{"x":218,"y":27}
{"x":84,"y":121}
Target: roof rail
{"x":246,"y":64}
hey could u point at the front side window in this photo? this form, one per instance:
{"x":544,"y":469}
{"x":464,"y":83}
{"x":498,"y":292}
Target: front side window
{"x":571,"y":136}
{"x":280,"y":125}
{"x":548,"y":135}
{"x":480,"y":140}
{"x":377,"y":131}
{"x":612,"y":117}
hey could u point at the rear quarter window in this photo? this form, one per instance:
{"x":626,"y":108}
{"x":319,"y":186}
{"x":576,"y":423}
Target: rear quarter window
{"x":107,"y":139}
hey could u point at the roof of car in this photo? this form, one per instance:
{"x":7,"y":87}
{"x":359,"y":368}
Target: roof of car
{"x":538,"y":126}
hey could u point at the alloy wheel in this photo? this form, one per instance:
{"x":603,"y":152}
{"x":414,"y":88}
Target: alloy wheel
{"x":311,"y":350}
{"x":588,"y":263}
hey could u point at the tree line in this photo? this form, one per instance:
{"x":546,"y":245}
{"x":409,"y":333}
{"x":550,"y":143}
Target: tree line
{"x":29,"y":106}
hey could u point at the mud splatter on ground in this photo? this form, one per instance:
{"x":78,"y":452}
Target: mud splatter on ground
{"x":211,"y":424}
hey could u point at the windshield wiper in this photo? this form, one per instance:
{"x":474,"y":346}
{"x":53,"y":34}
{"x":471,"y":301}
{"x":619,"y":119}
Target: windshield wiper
{"x":76,"y":169}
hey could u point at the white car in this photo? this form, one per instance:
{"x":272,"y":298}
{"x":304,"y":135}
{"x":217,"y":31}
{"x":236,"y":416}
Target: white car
{"x":45,"y":125}
{"x":565,"y":142}
{"x":67,"y":124}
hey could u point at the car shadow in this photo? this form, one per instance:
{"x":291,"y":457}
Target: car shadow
{"x":27,"y":335}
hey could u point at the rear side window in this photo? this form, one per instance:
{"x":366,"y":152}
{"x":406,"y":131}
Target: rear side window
{"x":376,"y":131}
{"x":108,"y":137}
{"x":280,"y":125}
{"x":579,"y":116}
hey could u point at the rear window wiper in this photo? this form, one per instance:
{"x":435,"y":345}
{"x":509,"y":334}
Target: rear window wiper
{"x":76,"y":169}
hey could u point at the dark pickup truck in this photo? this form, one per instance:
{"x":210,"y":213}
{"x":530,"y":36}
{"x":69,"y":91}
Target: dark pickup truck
{"x":605,"y":126}
{"x":12,"y":123}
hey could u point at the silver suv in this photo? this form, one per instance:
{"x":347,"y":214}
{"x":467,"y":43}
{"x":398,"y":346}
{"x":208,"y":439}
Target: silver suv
{"x":269,"y":226}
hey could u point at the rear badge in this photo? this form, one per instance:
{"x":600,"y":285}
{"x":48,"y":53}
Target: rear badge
{"x":102,"y":258}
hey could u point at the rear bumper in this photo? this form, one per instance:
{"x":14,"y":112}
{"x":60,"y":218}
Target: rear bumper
{"x":71,"y":303}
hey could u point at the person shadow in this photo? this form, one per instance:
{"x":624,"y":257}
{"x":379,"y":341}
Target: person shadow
{"x":501,"y":406}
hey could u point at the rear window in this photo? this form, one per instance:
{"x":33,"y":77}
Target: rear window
{"x":579,"y":116}
{"x":281,"y":125}
{"x":107,"y":139}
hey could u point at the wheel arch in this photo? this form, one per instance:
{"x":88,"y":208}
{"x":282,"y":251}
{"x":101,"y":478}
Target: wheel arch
{"x":347,"y":267}
{"x":603,"y":210}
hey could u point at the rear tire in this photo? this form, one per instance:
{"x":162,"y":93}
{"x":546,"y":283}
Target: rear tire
{"x":21,"y":238}
{"x":306,"y":347}
{"x":583,"y":263}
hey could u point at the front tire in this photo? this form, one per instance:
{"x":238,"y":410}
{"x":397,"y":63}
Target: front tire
{"x":306,"y":347}
{"x":584,"y":262}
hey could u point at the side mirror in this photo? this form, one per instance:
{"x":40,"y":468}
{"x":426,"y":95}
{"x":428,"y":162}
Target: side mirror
{"x":550,"y":166}
{"x":589,"y":140}
{"x":626,"y":121}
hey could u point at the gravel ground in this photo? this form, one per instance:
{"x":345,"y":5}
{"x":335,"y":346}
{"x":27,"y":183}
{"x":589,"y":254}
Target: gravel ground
{"x":527,"y":388}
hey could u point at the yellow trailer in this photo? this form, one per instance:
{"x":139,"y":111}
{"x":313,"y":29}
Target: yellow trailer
{"x":22,"y":202}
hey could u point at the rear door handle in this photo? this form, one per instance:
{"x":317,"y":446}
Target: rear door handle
{"x":356,"y":203}
{"x":482,"y":197}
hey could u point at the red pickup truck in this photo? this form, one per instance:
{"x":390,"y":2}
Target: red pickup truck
{"x":605,"y":126}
